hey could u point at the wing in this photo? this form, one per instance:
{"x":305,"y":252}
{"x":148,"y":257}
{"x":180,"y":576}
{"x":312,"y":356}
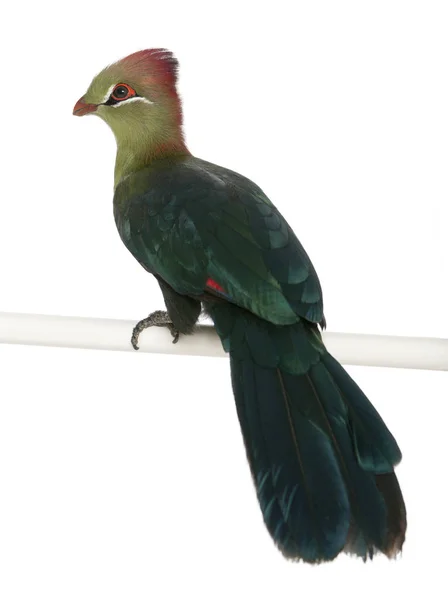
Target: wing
{"x":200,"y":226}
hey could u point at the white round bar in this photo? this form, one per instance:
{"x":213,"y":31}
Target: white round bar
{"x":114,"y":334}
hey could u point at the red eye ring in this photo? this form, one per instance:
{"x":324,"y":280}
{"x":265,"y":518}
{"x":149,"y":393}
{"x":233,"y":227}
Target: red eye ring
{"x":122,"y":91}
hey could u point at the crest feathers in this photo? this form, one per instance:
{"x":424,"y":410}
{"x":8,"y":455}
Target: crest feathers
{"x":156,"y":63}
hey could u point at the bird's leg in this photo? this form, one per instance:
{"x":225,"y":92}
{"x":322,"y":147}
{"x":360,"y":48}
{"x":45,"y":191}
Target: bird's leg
{"x":158,"y":318}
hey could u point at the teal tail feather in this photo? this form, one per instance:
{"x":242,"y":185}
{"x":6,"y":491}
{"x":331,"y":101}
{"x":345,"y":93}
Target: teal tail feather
{"x":321,"y":457}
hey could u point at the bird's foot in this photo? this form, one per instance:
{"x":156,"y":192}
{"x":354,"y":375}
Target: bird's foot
{"x":158,"y":318}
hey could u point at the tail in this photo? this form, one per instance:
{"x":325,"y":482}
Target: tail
{"x":321,"y":457}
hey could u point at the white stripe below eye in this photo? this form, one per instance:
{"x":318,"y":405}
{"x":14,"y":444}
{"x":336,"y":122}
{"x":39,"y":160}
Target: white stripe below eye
{"x":133,"y":99}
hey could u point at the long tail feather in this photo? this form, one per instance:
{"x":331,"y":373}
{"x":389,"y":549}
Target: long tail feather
{"x":321,"y":457}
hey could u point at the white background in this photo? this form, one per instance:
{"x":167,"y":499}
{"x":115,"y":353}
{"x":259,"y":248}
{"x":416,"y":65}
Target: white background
{"x":124,"y":476}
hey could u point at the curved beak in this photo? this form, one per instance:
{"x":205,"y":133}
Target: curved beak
{"x":81,"y":108}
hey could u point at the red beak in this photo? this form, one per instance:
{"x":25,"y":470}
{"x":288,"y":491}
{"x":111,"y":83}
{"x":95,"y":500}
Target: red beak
{"x":81,"y":108}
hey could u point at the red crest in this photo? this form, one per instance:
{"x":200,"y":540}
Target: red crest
{"x":157,"y":64}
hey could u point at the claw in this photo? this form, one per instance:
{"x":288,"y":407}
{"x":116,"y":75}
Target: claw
{"x":158,"y":318}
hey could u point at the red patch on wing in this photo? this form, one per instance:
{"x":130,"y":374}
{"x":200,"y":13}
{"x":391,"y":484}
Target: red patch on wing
{"x":211,"y":283}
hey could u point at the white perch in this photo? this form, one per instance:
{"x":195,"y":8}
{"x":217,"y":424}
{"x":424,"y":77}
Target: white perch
{"x":113,"y":334}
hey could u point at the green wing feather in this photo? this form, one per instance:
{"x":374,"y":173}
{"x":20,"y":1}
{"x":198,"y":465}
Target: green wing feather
{"x":189,"y":220}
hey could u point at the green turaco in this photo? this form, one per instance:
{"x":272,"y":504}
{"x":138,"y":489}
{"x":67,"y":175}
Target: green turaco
{"x":321,"y":457}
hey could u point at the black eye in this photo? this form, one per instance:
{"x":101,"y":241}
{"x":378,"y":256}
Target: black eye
{"x":121,"y":91}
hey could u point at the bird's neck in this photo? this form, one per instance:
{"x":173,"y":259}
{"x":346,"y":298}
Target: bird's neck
{"x":147,"y":134}
{"x":132,"y":156}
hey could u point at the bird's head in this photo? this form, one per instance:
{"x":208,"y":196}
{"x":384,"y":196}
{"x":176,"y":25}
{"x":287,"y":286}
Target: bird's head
{"x":137,"y":98}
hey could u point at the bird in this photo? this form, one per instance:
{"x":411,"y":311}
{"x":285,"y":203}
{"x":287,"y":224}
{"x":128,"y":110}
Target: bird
{"x":321,"y":458}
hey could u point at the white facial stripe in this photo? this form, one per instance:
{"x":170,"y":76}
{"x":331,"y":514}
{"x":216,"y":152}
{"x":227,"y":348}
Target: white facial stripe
{"x":109,"y":92}
{"x":134,"y":99}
